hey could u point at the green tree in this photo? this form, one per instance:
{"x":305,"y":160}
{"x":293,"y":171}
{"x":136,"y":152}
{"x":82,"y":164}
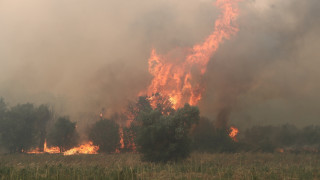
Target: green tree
{"x":162,"y":137}
{"x":105,"y":134}
{"x":43,"y":116}
{"x":63,"y":134}
{"x":133,"y":111}
{"x":18,"y":132}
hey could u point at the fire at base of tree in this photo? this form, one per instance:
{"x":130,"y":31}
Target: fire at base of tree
{"x":159,"y":134}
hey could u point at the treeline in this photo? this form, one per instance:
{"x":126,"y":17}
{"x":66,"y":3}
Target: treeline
{"x":285,"y":138}
{"x":22,"y":126}
{"x":282,"y":138}
{"x":159,"y":132}
{"x":25,"y":126}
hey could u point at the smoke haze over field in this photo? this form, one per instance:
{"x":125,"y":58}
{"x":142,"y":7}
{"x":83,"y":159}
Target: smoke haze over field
{"x":83,"y":56}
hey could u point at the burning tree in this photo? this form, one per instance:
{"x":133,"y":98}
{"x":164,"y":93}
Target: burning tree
{"x":44,"y":115}
{"x":178,"y":73}
{"x":63,"y":134}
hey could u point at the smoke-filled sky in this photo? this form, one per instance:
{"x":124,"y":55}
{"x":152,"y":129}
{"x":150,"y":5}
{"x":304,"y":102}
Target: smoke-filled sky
{"x":82,"y":56}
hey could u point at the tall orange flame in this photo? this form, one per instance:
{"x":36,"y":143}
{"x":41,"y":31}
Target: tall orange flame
{"x":233,"y":133}
{"x":51,"y":150}
{"x":121,"y":140}
{"x":173,"y":74}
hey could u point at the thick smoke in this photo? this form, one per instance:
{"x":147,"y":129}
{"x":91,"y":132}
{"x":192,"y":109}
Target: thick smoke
{"x":267,"y":74}
{"x":85,"y":56}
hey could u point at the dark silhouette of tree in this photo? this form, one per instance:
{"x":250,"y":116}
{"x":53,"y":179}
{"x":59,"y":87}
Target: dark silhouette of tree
{"x":162,"y":138}
{"x":208,"y":138}
{"x":309,"y":135}
{"x":133,"y":111}
{"x":63,"y":134}
{"x":204,"y":136}
{"x":18,"y":130}
{"x":105,"y":134}
{"x":3,"y":108}
{"x":43,"y":115}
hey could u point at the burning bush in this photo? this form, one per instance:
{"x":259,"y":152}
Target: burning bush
{"x":63,"y":134}
{"x":105,"y":134}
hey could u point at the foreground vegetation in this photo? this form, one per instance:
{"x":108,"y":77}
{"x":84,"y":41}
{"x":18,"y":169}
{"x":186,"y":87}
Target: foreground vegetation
{"x":129,"y":166}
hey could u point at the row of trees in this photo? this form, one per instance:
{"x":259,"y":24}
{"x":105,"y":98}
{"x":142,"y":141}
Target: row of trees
{"x":286,"y":137}
{"x":160,"y":134}
{"x":25,"y":126}
{"x":209,"y":138}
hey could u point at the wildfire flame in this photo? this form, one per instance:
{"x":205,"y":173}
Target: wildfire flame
{"x":87,"y":148}
{"x":121,"y":140}
{"x":233,"y":133}
{"x":171,"y":73}
{"x":51,"y":150}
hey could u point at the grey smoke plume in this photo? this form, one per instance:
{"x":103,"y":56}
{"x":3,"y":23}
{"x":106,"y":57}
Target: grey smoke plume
{"x":83,"y":56}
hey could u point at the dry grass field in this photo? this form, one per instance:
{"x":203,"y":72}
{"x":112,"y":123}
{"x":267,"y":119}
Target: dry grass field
{"x":129,"y":166}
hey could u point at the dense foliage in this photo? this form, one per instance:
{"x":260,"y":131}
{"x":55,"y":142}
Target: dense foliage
{"x":208,"y":138}
{"x":157,"y":131}
{"x":164,"y":135}
{"x":105,"y":134}
{"x":63,"y":134}
{"x":23,"y":126}
{"x":286,"y":137}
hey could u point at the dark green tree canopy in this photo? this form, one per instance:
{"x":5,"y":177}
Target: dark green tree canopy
{"x":43,"y":116}
{"x":18,"y":128}
{"x":105,"y":134}
{"x":209,"y":138}
{"x":162,"y":138}
{"x":63,"y":134}
{"x":23,"y":126}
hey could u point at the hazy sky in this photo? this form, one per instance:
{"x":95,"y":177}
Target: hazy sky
{"x":83,"y":55}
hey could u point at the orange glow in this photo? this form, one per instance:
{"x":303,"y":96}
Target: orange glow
{"x":51,"y":150}
{"x":87,"y":148}
{"x":176,"y":74}
{"x":121,"y":137}
{"x":280,"y":150}
{"x":233,"y":133}
{"x":34,"y":151}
